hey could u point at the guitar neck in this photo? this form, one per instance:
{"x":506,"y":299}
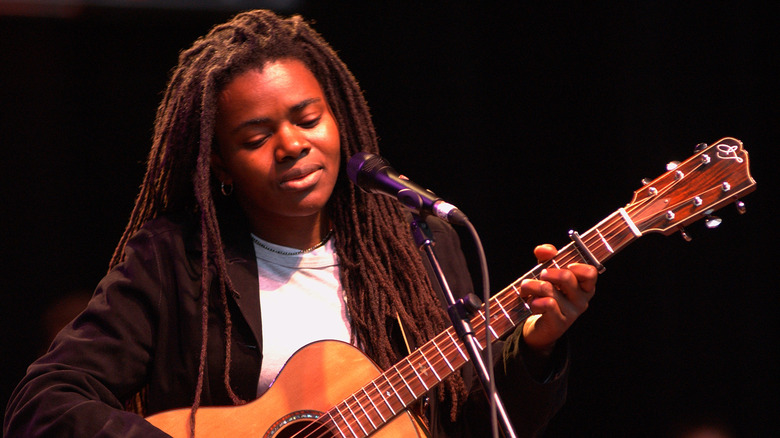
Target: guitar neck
{"x":397,"y":388}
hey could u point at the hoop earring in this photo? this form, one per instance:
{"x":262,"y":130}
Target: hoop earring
{"x":226,"y":190}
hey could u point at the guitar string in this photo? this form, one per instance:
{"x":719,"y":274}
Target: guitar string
{"x":364,"y":412}
{"x":595,"y":243}
{"x":566,"y":259}
{"x":570,"y":256}
{"x":641,"y":205}
{"x":416,"y":361}
{"x":407,"y":368}
{"x":358,"y":419}
{"x":591,"y":241}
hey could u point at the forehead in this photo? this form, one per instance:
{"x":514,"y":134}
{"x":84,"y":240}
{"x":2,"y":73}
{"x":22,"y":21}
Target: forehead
{"x":277,"y":80}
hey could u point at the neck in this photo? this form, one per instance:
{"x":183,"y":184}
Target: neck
{"x":293,"y":232}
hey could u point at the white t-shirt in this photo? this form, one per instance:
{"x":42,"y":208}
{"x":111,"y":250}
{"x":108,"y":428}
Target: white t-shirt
{"x":301,"y":301}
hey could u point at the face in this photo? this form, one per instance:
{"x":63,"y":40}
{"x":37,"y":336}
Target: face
{"x":278,"y":143}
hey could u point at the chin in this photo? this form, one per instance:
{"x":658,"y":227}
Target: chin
{"x":306,"y":209}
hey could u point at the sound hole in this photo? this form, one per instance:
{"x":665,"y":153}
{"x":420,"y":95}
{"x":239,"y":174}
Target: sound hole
{"x":300,"y":424}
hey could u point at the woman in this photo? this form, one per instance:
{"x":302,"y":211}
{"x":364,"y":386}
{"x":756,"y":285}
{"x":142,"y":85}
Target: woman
{"x":246,"y":242}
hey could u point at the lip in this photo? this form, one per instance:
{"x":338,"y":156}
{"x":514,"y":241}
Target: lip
{"x":301,"y":178}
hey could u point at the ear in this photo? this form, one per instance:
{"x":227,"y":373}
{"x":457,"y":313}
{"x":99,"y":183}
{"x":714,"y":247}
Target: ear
{"x":218,"y":167}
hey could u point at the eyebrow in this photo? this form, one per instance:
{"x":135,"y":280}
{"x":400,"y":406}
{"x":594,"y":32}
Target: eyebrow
{"x":263,"y":120}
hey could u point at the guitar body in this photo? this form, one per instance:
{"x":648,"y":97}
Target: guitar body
{"x":315,"y":379}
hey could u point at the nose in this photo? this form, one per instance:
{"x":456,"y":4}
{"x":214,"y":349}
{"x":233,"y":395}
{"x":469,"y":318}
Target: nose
{"x":292,"y":143}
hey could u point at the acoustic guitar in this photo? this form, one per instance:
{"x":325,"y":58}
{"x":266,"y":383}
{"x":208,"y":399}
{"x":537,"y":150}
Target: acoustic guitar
{"x":331,"y":389}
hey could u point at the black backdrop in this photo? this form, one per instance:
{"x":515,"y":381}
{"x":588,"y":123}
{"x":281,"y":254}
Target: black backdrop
{"x":533,"y":119}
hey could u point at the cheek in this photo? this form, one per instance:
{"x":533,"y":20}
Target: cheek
{"x":250,"y":168}
{"x":332,"y":140}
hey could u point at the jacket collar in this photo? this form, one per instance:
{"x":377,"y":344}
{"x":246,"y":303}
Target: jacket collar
{"x":242,"y":270}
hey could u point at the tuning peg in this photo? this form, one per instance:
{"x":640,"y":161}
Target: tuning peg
{"x":740,"y":206}
{"x":672,"y":165}
{"x":712,"y":221}
{"x":684,"y":234}
{"x":646,"y":181}
{"x":700,"y":147}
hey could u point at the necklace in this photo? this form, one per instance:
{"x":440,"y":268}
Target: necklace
{"x":300,"y":251}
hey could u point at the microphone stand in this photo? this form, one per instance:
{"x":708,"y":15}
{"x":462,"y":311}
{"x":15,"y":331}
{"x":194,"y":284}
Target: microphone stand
{"x":460,"y":320}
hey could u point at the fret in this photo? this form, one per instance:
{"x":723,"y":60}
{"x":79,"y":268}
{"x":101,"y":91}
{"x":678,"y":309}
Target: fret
{"x":606,"y":244}
{"x":364,"y":411}
{"x":355,"y":416}
{"x":610,"y":235}
{"x":346,"y":422}
{"x":394,"y":391}
{"x":622,"y":231}
{"x":392,"y":411}
{"x":516,"y":304}
{"x":506,"y":315}
{"x":335,"y":423}
{"x":457,"y":346}
{"x":416,"y":373}
{"x":371,"y":400}
{"x":430,"y":367}
{"x":441,"y":353}
{"x":414,"y":396}
{"x":492,"y":331}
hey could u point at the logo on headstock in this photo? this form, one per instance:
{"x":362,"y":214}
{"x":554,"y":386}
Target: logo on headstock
{"x":729,"y":152}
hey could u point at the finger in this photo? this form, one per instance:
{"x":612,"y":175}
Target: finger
{"x":586,"y":276}
{"x":541,"y":296}
{"x":545,"y":252}
{"x":539,"y":305}
{"x":563,"y":279}
{"x":566,"y":282}
{"x":577,"y":276}
{"x":536,"y":289}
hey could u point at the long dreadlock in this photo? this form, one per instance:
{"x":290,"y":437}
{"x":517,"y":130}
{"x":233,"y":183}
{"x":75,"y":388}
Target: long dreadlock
{"x":381,"y":270}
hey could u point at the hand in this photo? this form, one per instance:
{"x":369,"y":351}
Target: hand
{"x":557,"y":299}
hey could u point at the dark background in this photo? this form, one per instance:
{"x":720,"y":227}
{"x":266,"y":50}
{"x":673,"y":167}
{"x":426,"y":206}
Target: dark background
{"x":533,"y":119}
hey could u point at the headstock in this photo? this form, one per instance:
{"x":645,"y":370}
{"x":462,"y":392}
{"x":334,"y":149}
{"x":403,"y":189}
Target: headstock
{"x":716,"y":175}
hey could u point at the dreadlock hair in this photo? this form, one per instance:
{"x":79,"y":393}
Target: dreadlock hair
{"x":381,"y":270}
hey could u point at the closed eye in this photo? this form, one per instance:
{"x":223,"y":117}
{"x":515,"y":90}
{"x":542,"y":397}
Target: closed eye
{"x":310,"y":123}
{"x":254,"y":144}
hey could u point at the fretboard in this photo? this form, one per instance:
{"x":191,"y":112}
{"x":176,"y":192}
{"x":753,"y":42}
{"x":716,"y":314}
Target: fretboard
{"x":389,"y":394}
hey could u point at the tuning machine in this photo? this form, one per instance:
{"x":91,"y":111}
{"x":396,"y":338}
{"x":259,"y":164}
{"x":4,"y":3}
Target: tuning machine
{"x":711,"y":221}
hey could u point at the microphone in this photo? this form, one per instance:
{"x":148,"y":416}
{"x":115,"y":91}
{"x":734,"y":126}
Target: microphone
{"x":373,"y":174}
